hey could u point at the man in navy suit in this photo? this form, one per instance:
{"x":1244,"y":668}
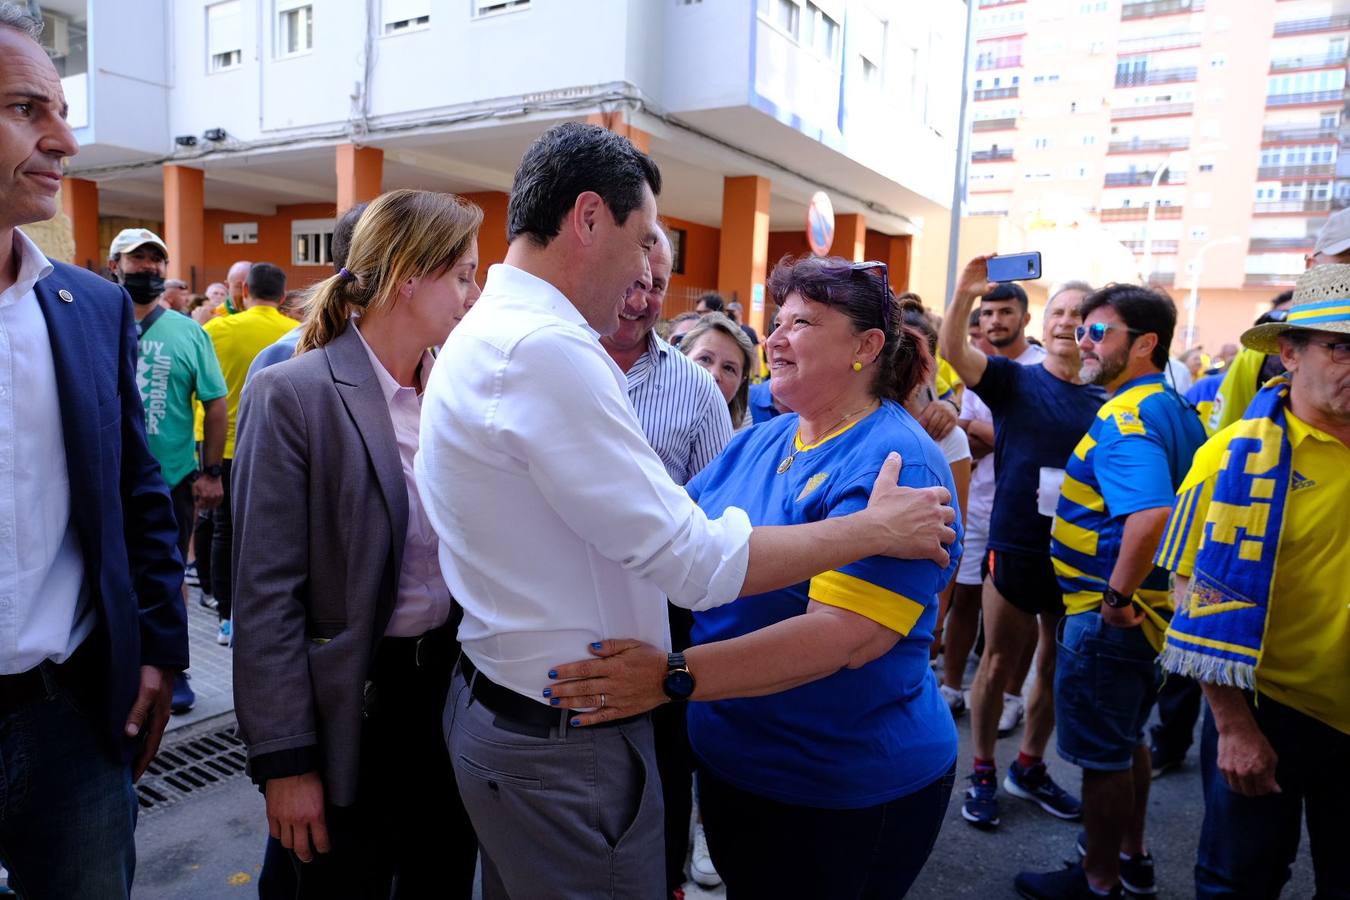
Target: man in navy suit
{"x":92,"y":624}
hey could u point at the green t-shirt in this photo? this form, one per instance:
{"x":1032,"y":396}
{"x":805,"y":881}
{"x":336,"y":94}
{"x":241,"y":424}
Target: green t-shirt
{"x":176,"y":361}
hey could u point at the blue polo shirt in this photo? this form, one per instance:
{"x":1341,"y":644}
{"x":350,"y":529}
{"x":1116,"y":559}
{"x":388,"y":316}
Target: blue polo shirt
{"x":859,"y":737}
{"x":761,"y":403}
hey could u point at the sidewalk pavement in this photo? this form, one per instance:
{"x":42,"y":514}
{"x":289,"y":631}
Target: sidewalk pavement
{"x":211,"y":670}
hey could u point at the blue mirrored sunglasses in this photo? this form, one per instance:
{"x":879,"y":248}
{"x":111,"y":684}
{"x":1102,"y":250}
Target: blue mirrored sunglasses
{"x":1097,"y":331}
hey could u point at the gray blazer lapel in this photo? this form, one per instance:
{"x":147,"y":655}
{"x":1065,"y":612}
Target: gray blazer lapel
{"x":360,"y":391}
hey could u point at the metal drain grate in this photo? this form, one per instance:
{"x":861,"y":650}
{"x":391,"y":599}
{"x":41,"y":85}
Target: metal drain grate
{"x":190,"y":766}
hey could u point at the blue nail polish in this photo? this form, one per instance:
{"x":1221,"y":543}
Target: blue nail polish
{"x":597,"y":645}
{"x":554,"y":702}
{"x":548,"y":692}
{"x":575,"y":722}
{"x":552,"y":673}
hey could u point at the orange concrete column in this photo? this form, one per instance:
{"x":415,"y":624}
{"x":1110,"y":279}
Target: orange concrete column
{"x":850,"y":237}
{"x":360,"y":171}
{"x":185,"y":224}
{"x":79,"y":199}
{"x":897,"y":263}
{"x":743,"y":252}
{"x":617,"y":123}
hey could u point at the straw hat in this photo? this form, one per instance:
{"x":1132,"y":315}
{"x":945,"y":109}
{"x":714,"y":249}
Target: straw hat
{"x":1321,"y":303}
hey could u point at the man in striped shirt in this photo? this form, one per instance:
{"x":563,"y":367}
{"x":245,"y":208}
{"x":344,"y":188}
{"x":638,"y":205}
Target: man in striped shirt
{"x":685,"y":419}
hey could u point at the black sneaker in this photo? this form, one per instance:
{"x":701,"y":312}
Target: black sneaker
{"x":1069,"y":883}
{"x":1136,"y":872}
{"x":1165,"y":761}
{"x":191,"y":577}
{"x":1036,"y":785}
{"x":981,"y":806}
{"x":206,"y":601}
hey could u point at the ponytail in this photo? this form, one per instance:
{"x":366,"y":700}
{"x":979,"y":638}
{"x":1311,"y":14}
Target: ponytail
{"x":911,"y":365}
{"x":328,"y":308}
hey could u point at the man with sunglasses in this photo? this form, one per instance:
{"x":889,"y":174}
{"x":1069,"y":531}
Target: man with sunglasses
{"x":1267,"y":762}
{"x":1039,"y":411}
{"x":1113,"y":505}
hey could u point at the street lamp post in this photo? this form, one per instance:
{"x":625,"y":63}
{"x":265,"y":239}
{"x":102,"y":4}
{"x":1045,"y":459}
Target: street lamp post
{"x":1152,"y":208}
{"x":1193,"y":301}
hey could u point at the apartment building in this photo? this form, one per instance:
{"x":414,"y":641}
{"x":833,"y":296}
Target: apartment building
{"x":1205,"y":135}
{"x":241,"y":128}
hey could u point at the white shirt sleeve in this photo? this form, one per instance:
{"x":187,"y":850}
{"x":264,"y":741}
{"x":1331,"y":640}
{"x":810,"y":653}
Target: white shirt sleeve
{"x":587,"y":455}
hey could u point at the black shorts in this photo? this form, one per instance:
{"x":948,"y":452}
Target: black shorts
{"x":1026,"y":580}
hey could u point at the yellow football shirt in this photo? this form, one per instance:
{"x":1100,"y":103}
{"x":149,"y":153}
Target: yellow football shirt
{"x":238,"y":339}
{"x":1305,"y":656}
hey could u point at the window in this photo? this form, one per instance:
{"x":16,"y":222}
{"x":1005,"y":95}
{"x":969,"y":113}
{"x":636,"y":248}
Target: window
{"x":295,"y":27}
{"x":1040,"y":143}
{"x":241,"y":232}
{"x":398,"y":16}
{"x":312,"y":242}
{"x":821,"y":33}
{"x":787,"y":15}
{"x":1089,"y":140}
{"x":493,"y":7}
{"x":867,"y":32}
{"x":224,"y":36}
{"x":1207,"y":167}
{"x":677,"y":241}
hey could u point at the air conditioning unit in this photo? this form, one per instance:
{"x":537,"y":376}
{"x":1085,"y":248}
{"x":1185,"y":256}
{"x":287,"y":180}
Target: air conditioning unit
{"x":55,"y":35}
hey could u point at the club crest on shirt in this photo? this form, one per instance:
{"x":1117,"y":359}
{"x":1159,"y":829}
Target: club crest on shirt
{"x":1128,"y":423}
{"x":812,"y":483}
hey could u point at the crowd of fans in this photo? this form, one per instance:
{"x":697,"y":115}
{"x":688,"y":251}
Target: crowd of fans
{"x":479,"y":552}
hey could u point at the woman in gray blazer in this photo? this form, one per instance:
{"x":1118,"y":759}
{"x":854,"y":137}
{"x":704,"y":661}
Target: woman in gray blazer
{"x":344,"y":628}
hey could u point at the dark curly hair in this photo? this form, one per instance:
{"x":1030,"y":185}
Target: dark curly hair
{"x":904,"y":361}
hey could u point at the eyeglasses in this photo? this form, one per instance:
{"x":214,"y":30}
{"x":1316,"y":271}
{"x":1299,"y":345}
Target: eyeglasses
{"x":884,"y":270}
{"x":1339,"y":350}
{"x":1097,"y":331}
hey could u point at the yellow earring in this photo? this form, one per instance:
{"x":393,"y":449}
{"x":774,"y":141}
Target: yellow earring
{"x":857,"y":366}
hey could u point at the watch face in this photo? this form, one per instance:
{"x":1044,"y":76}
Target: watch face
{"x":679,"y":684}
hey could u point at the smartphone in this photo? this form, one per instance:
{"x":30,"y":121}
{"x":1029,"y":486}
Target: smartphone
{"x":1016,"y":267}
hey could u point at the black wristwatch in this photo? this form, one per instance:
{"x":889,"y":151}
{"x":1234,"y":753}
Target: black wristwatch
{"x":1115,"y":599}
{"x":214,"y":471}
{"x":679,"y":684}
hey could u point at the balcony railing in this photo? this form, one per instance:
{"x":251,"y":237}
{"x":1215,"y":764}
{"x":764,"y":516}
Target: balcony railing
{"x":1163,"y":248}
{"x":1002,"y":62}
{"x":993,"y":124}
{"x":1307,"y":26}
{"x":1152,"y":111}
{"x":997,"y":154}
{"x":1159,"y":8}
{"x":1291,"y":206}
{"x":1157,"y":76}
{"x":1267,"y":245}
{"x":998,"y":93}
{"x":1306,"y":97}
{"x":1139,"y":213}
{"x":1152,"y":145}
{"x":1162,"y":279}
{"x":1318,"y":61}
{"x":987,"y":212}
{"x":1317,"y":170}
{"x":1273,"y":279}
{"x":1151,"y":43}
{"x":1135,"y":179}
{"x":1302,"y":135}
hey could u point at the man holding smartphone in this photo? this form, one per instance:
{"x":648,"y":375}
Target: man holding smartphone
{"x":1040,"y":411}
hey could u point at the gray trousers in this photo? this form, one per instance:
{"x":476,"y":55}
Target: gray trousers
{"x":576,"y":814}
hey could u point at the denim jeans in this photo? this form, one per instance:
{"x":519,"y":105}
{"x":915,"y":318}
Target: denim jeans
{"x":67,"y":807}
{"x":1247,"y":844}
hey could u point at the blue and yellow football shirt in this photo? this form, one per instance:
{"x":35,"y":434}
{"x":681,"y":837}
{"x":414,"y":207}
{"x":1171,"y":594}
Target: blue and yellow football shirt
{"x":859,"y":737}
{"x":1137,"y":451}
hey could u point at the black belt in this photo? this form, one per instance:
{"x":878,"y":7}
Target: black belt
{"x":17,"y":691}
{"x":517,"y":713}
{"x":435,"y":650}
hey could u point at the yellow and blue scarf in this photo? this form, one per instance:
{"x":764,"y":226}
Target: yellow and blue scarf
{"x":1216,"y":633}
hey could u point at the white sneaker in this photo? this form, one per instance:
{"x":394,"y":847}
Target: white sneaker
{"x":1011,"y":717}
{"x":701,"y":865}
{"x":225,"y":637}
{"x":956,"y":700}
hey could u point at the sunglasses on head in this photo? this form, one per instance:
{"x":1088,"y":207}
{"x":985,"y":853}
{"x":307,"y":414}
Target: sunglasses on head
{"x":884,"y":271}
{"x":1097,"y":331}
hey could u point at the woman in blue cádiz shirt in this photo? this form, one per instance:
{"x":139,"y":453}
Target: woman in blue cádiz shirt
{"x":816,"y":783}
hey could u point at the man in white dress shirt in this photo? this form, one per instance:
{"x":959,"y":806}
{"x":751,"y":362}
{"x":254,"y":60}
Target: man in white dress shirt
{"x":92,"y":626}
{"x":560,"y":528}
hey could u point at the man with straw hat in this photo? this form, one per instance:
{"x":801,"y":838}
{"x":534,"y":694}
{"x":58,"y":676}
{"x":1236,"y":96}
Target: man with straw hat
{"x":1257,"y":540}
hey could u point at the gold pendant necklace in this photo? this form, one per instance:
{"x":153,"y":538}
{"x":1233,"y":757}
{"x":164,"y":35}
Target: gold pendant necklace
{"x":787,"y":461}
